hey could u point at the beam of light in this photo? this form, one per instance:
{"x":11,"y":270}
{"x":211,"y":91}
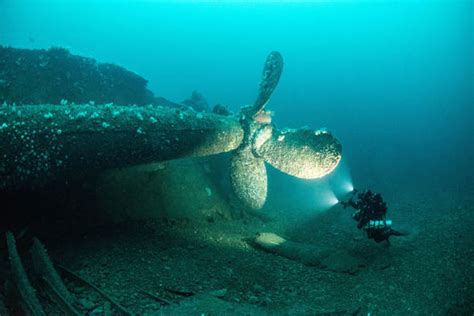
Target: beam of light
{"x":331,"y":199}
{"x":347,"y":186}
{"x":341,"y":179}
{"x":325,"y":199}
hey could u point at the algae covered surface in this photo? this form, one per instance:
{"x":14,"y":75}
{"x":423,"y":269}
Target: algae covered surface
{"x":138,"y":178}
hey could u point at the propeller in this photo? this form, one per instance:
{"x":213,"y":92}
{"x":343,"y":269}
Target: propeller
{"x":270,"y":76}
{"x":303,"y":153}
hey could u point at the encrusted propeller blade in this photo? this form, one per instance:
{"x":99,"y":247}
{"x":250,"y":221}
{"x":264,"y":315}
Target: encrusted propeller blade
{"x":302,"y":153}
{"x":249,"y":178}
{"x":270,"y":77}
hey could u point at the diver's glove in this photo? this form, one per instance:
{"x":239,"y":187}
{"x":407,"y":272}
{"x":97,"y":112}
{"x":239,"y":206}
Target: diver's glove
{"x":350,"y":201}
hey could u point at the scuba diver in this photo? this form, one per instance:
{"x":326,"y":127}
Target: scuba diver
{"x":370,"y":212}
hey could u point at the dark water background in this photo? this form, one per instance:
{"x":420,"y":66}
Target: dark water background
{"x":392,"y":79}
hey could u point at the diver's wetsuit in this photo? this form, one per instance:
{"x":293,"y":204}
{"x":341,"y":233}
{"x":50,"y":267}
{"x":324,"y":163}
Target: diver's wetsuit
{"x":370,"y":215}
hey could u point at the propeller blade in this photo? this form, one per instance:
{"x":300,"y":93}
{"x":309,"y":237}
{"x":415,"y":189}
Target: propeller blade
{"x":249,"y":178}
{"x":270,"y":77}
{"x":302,"y":153}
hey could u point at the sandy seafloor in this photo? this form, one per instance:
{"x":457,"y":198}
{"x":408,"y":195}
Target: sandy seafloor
{"x":218,"y":273}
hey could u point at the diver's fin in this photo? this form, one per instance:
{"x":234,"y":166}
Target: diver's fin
{"x":393,"y":232}
{"x":302,"y":153}
{"x":249,"y":178}
{"x":270,"y":77}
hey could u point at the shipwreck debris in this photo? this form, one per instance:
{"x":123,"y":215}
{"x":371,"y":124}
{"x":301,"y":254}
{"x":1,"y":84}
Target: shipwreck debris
{"x":22,"y":295}
{"x":44,"y":144}
{"x":19,"y":286}
{"x":80,"y":279}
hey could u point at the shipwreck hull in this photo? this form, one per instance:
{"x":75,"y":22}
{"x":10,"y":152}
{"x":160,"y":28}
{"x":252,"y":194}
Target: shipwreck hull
{"x":43,"y":144}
